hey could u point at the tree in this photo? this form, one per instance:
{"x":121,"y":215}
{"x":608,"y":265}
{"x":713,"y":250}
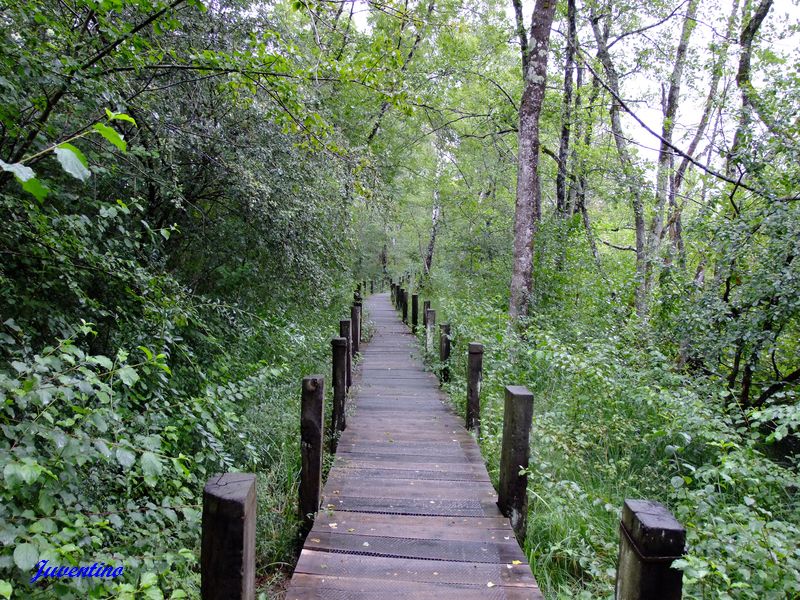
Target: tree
{"x":528,"y":207}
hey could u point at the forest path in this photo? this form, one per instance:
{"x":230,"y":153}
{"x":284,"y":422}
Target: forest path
{"x":408,"y":510}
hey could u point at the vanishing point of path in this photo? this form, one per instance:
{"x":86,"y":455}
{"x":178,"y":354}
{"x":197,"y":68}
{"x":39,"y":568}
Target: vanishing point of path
{"x":408,"y":510}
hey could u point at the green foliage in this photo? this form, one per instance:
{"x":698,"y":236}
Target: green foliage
{"x":614,"y":420}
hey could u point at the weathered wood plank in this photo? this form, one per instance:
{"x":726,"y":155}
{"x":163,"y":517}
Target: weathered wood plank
{"x":408,"y":510}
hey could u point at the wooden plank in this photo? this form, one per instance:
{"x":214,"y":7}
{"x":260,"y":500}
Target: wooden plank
{"x":408,"y":510}
{"x":308,"y":587}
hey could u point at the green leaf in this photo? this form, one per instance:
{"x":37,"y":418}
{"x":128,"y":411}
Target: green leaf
{"x":25,"y":556}
{"x":112,"y":116}
{"x":125,"y":457}
{"x":148,"y":580}
{"x":111,"y":135}
{"x":153,"y":593}
{"x":6,"y":589}
{"x":19,"y":170}
{"x":103,"y":361}
{"x":34,"y":186}
{"x":128,"y":375}
{"x":151,"y":467}
{"x":73,"y":161}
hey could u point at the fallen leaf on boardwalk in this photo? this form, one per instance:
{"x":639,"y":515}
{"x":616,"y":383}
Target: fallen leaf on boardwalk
{"x":516,"y":562}
{"x":351,"y":530}
{"x":332,"y":525}
{"x":490,"y":584}
{"x":366,"y":544}
{"x":315,"y":540}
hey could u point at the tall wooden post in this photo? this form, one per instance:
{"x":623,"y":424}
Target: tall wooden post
{"x":311,"y":430}
{"x":228,"y":547}
{"x":444,"y":351}
{"x":474,"y":376}
{"x":650,"y":540}
{"x":425,"y":306}
{"x":429,"y":327}
{"x":339,"y":381}
{"x":393,"y":294}
{"x":371,"y":286}
{"x":514,"y":455}
{"x":404,"y":293}
{"x":355,"y":323}
{"x":345,"y":331}
{"x":414,"y":312}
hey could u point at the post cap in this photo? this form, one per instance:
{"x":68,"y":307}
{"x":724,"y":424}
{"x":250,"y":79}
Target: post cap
{"x":475,"y":348}
{"x":519,"y":392}
{"x":339,"y":341}
{"x":653,"y":529}
{"x":312,"y":382}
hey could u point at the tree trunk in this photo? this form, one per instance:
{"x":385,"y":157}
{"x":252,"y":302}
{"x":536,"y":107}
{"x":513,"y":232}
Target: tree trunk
{"x":676,"y":226}
{"x":528,"y":208}
{"x":743,"y":81}
{"x":665,"y":155}
{"x":634,"y":183}
{"x":566,"y":113}
{"x":435,"y":214}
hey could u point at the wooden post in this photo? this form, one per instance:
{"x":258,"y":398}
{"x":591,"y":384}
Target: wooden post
{"x":425,"y":306}
{"x":444,"y":351}
{"x":345,"y":332}
{"x":430,"y":323}
{"x":228,"y":547}
{"x":414,"y":312}
{"x":474,"y":376}
{"x":650,"y":540}
{"x":514,"y":455}
{"x":355,"y":323}
{"x":311,"y":430}
{"x":339,"y":380}
{"x":404,"y":293}
{"x":393,"y":296}
{"x":371,"y":286}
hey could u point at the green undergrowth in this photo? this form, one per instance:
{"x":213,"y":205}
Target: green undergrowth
{"x":614,"y":420}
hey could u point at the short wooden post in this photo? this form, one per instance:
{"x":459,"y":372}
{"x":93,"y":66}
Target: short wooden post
{"x":339,"y":381}
{"x":425,"y":306}
{"x":228,"y":547}
{"x":650,"y":540}
{"x":355,"y":323}
{"x":444,"y":351}
{"x":404,"y":293}
{"x":430,"y":323}
{"x":414,"y":312}
{"x":311,"y":430}
{"x":474,"y":376}
{"x":345,"y":331}
{"x":514,"y":456}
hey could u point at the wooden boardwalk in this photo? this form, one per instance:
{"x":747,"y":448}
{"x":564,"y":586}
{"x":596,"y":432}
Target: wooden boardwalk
{"x":408,"y":510}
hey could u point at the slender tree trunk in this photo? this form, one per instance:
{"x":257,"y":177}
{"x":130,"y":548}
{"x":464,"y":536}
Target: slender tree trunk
{"x":665,"y":155}
{"x":633,"y":182}
{"x":435,"y":214}
{"x":749,"y":32}
{"x":528,"y":208}
{"x":708,"y":109}
{"x":566,"y":113}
